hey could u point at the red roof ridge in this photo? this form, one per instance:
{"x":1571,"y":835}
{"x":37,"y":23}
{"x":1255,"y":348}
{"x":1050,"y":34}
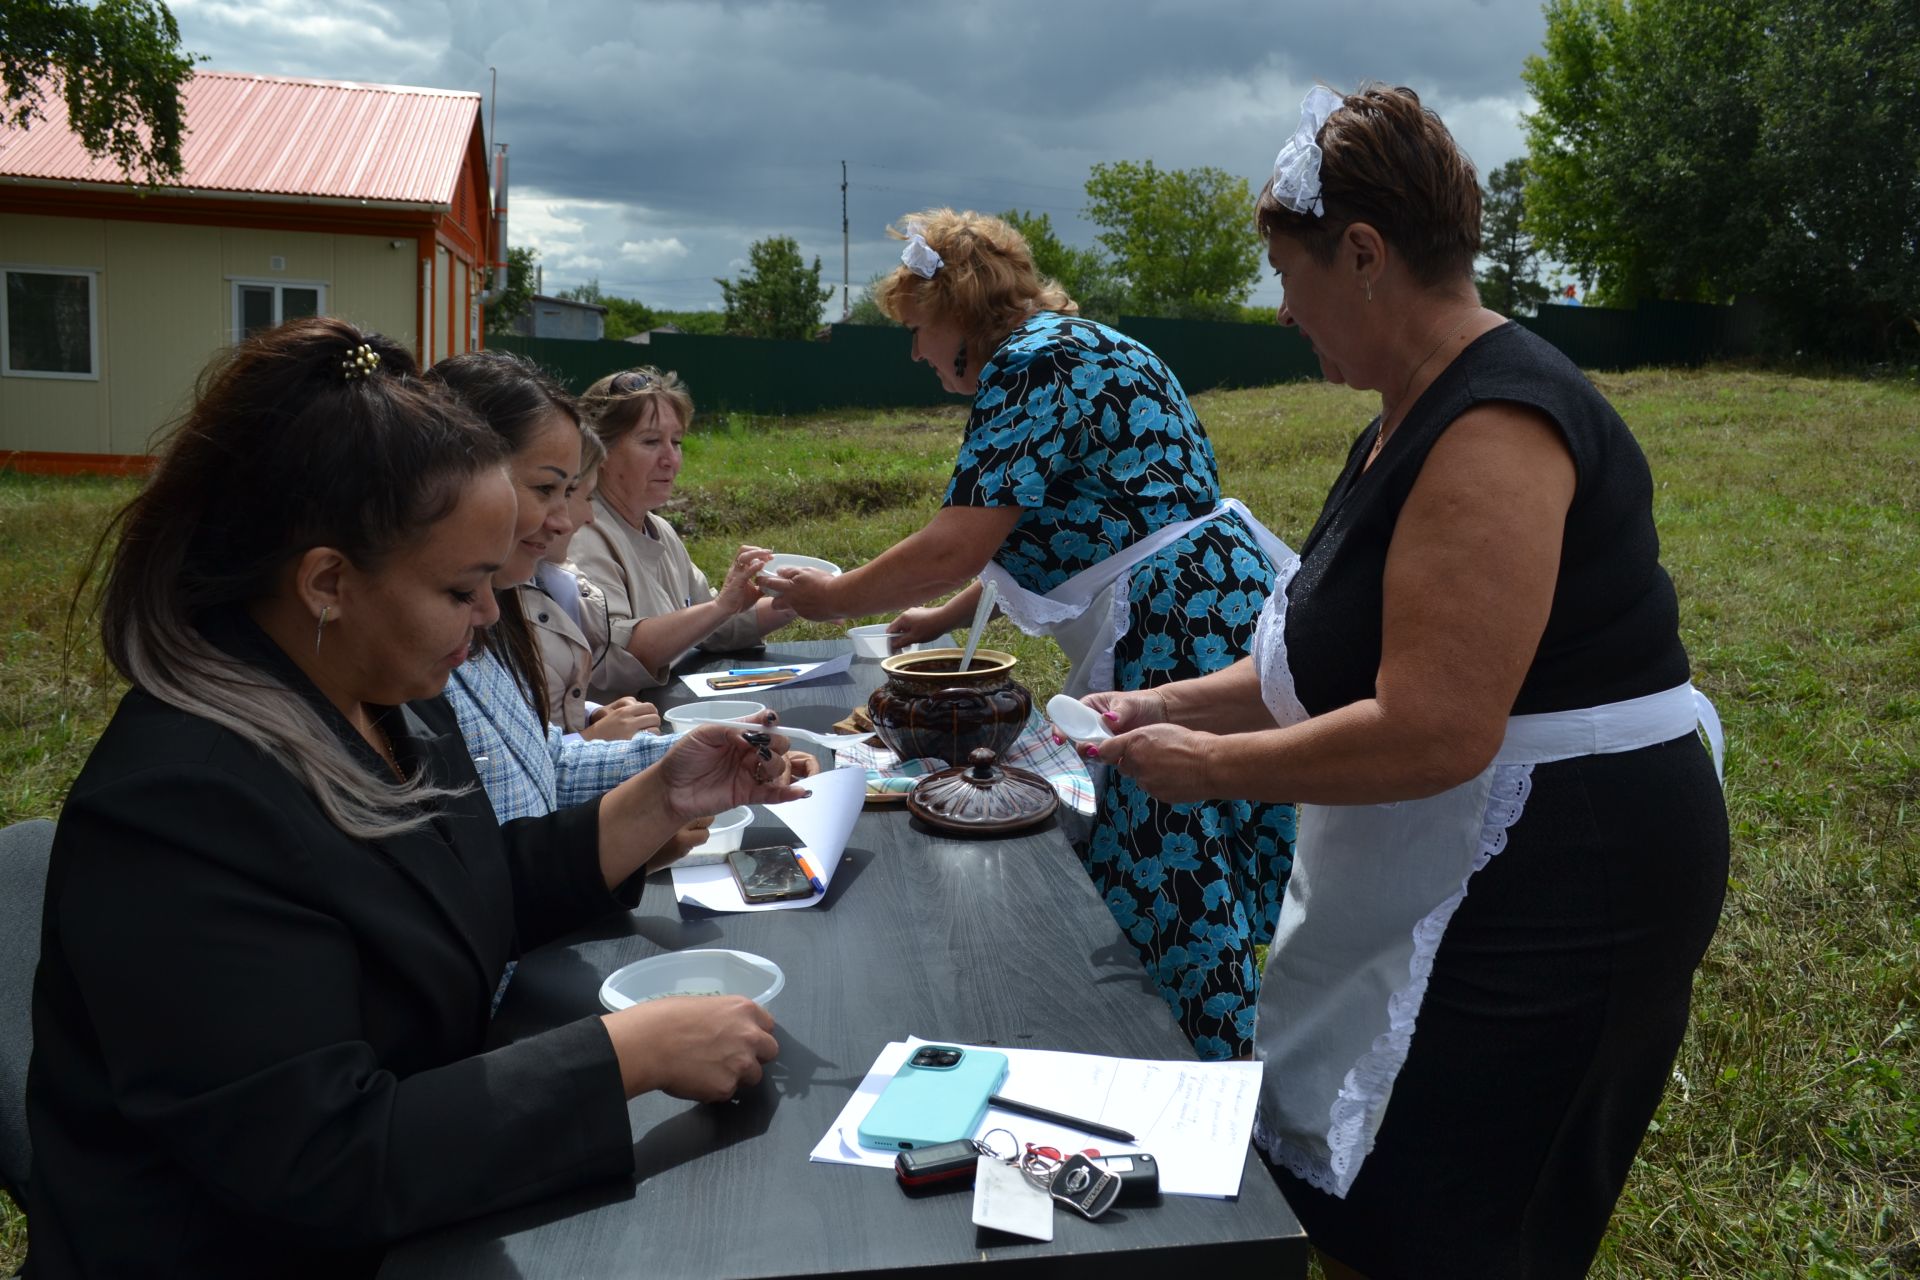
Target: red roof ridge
{"x":318,"y":83}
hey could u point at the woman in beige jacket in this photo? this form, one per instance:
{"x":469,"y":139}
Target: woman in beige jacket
{"x":659,"y":604}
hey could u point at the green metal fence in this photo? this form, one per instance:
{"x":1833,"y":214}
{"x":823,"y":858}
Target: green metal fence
{"x":862,"y":365}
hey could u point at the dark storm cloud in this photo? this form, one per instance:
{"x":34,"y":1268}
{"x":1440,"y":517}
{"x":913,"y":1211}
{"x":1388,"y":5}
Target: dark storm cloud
{"x":652,"y":143}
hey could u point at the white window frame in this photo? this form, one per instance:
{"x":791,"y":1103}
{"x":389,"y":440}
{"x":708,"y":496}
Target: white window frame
{"x":237,"y":330}
{"x":93,"y":322}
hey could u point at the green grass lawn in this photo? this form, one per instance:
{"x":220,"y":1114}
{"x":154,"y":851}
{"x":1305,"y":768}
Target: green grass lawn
{"x":1789,"y":508}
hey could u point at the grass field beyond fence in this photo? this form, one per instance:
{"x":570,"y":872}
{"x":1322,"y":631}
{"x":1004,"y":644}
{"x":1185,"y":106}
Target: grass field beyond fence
{"x":1788,"y":1144}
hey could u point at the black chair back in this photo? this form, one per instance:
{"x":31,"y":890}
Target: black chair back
{"x":24,"y":848}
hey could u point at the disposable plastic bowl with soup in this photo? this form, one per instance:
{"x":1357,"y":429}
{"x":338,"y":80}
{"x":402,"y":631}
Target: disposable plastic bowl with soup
{"x":684,"y":718}
{"x":703,"y":972}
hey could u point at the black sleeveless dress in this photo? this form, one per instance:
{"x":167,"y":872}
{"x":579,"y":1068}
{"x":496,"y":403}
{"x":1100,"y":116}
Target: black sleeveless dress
{"x":1559,"y":993}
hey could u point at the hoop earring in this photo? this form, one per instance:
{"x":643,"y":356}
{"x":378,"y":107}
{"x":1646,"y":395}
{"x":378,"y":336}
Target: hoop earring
{"x":960,"y":362}
{"x":321,"y":630}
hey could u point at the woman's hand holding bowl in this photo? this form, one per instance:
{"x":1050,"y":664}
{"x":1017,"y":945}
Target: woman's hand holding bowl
{"x":714,"y":767}
{"x":917,"y":626}
{"x":738,"y":592}
{"x":807,"y":592}
{"x":681,"y":843}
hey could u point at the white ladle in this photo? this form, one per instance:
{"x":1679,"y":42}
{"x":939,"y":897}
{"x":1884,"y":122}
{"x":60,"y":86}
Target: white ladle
{"x":981,"y":612}
{"x":1077,"y":720}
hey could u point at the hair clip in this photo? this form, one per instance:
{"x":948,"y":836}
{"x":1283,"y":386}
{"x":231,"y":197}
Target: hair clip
{"x":361,"y":361}
{"x":1296,"y":170}
{"x":919,"y":256}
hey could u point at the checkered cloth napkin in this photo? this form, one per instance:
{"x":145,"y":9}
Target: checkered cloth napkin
{"x":1034,"y":750}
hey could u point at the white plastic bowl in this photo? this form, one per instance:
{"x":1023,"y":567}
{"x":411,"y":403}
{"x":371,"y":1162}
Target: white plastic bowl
{"x":684,"y":718}
{"x":869,"y":641}
{"x":707,"y":972}
{"x":725,"y":834}
{"x":769,"y":576}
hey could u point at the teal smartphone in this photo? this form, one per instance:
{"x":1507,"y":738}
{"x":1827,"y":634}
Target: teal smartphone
{"x":938,"y":1095}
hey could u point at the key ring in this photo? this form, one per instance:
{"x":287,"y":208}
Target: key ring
{"x":985,"y":1148}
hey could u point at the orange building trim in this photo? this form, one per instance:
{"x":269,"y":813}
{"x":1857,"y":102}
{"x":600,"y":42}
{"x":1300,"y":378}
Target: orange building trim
{"x":29,"y":463}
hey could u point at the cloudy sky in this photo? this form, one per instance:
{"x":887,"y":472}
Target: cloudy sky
{"x":651,"y":143}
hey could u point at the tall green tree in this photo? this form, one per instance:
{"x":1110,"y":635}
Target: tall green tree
{"x":119,"y":68}
{"x":513,"y":303}
{"x":1769,"y":147}
{"x":779,"y":296}
{"x":1511,"y":283}
{"x":865,"y":309}
{"x":1182,"y":239}
{"x":1087,"y":275}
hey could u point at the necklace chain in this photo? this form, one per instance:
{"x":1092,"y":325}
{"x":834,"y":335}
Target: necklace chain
{"x":1400,"y":400}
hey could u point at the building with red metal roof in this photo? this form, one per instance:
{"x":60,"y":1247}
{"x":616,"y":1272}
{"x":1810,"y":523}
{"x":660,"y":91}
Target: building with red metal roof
{"x":297,"y":197}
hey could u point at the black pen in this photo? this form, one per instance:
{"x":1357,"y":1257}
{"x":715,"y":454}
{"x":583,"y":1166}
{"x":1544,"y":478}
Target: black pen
{"x":1041,"y":1113}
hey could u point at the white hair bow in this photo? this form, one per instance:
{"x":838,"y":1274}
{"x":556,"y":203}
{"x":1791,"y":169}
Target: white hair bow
{"x":919,"y":256}
{"x":1296,"y":170}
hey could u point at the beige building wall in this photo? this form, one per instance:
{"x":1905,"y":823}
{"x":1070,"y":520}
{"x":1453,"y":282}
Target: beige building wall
{"x":165,"y":307}
{"x":166,"y":317}
{"x":376,"y":286}
{"x":56,"y":415}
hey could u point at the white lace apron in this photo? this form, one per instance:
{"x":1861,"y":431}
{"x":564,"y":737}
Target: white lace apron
{"x":1372,"y":891}
{"x":1087,"y":615}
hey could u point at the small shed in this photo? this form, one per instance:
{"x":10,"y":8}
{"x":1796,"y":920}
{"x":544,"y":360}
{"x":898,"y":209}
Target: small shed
{"x":547,"y":317}
{"x":299,"y":197}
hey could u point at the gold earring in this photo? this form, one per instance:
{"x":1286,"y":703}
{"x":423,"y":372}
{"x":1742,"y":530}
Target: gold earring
{"x":321,"y":630}
{"x":1369,"y":284}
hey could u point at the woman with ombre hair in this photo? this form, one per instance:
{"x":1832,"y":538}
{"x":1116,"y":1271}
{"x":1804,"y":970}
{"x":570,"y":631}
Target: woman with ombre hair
{"x":278,"y":901}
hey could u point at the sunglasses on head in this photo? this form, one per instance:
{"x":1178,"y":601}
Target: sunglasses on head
{"x":625,"y":384}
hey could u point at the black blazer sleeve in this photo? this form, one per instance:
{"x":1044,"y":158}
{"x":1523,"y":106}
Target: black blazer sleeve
{"x":233,"y":993}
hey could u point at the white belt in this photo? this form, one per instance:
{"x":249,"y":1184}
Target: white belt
{"x":1614,"y":727}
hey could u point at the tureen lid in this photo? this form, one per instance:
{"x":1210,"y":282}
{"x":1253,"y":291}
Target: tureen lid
{"x":982,"y":795}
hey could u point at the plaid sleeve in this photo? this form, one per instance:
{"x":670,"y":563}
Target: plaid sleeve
{"x":586,"y":767}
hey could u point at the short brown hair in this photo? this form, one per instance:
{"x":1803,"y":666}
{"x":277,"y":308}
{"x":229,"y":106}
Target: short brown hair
{"x":615,"y":404}
{"x":988,"y":284}
{"x":1389,"y":162}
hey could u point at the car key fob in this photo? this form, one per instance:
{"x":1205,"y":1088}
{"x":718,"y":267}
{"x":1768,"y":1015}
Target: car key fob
{"x":945,"y":1164}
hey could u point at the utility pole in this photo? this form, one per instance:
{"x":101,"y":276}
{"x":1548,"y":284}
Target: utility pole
{"x":846,"y":300}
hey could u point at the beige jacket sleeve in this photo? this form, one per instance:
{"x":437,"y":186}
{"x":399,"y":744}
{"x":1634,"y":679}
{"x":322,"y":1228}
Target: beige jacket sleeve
{"x":604,"y":556}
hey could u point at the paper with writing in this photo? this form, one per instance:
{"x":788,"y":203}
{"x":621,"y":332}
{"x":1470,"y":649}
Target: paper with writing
{"x":1195,"y":1117}
{"x":700,"y":683}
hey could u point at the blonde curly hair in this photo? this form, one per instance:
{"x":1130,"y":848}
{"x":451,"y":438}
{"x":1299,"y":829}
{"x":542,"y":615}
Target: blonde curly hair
{"x":988,"y":285}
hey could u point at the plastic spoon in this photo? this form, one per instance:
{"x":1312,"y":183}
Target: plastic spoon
{"x":981,"y":612}
{"x":831,"y":741}
{"x":1077,"y":720}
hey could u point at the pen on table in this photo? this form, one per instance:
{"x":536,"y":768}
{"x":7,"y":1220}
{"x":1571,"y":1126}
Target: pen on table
{"x":819,"y":885}
{"x":759,"y":671}
{"x":1072,"y":1122}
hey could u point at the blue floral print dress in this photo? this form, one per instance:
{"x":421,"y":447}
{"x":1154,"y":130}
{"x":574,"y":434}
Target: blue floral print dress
{"x":1090,"y":434}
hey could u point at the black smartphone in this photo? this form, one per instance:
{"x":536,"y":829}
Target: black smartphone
{"x":770,"y":874}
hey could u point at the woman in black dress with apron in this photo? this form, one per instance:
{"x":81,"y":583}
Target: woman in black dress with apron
{"x":1512,"y":844}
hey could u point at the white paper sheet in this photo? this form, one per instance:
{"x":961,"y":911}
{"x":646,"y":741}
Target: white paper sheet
{"x":701,"y":683}
{"x":820,"y":824}
{"x":1194,"y":1118}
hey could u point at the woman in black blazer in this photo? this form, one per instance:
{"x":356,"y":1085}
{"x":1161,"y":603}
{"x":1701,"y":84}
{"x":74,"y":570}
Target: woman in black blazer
{"x":278,"y":899}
